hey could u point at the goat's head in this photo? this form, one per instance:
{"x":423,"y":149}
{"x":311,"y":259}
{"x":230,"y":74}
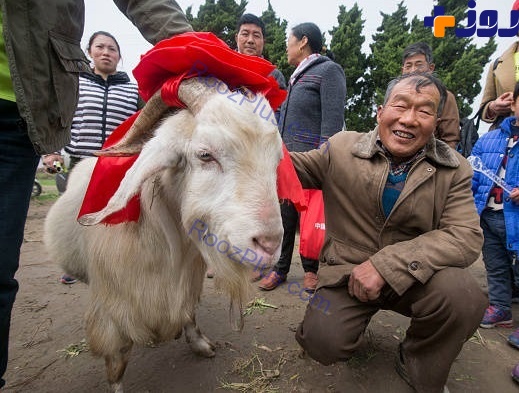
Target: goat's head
{"x":223,"y":157}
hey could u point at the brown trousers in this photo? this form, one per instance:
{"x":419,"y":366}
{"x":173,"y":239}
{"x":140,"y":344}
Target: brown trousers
{"x":445,"y":312}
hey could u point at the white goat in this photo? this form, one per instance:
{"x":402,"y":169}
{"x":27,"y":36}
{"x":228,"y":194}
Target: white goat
{"x":207,"y":183}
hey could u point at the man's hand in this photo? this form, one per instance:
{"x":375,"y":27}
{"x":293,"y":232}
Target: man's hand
{"x":49,"y":161}
{"x":502,"y":104}
{"x":365,"y":282}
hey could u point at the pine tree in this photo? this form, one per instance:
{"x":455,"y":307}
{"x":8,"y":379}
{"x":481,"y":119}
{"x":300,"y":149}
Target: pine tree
{"x":386,"y":50}
{"x":218,"y":17}
{"x":459,"y":63}
{"x":275,"y":41}
{"x":346,"y":45}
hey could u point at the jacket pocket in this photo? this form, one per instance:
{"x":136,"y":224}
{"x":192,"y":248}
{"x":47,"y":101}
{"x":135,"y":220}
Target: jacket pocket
{"x":67,"y":60}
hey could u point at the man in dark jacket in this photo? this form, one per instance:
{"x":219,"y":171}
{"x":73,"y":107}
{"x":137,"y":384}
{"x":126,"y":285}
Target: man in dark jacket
{"x":40,"y":60}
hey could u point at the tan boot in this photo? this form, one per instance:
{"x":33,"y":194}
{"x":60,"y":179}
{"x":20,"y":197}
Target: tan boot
{"x":272,"y":281}
{"x":310,"y":282}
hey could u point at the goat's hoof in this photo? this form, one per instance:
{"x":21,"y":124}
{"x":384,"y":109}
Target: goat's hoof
{"x":203,"y":347}
{"x":117,"y":387}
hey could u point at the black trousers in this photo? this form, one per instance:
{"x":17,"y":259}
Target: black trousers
{"x":290,"y":218}
{"x":18,"y":162}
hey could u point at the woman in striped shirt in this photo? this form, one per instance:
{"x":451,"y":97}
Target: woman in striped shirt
{"x":107,"y":97}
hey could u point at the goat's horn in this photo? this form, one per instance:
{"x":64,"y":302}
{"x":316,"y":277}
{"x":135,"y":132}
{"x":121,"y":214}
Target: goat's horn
{"x":195,"y":92}
{"x":141,"y":130}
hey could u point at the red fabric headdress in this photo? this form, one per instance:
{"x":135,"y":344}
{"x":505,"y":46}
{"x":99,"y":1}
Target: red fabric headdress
{"x":164,"y":67}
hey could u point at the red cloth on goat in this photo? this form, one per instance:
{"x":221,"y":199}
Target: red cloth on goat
{"x":165,"y":66}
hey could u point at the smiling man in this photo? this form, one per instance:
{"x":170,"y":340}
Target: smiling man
{"x":250,"y":40}
{"x":400,"y":230}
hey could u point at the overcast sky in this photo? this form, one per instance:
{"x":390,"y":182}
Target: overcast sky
{"x":104,"y":15}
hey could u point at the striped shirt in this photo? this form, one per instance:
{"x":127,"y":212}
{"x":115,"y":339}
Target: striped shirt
{"x":103,"y":105}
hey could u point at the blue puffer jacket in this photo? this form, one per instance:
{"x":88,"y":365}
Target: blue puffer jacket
{"x":491,"y":148}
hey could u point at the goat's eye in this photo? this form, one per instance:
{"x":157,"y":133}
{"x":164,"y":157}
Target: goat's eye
{"x":205,"y":156}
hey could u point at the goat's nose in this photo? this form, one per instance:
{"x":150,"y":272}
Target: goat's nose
{"x":268,"y":243}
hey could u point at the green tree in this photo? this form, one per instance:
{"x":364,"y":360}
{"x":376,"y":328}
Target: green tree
{"x":346,"y":45}
{"x":385,"y":59}
{"x":275,"y":41}
{"x":218,"y":17}
{"x":458,"y":61}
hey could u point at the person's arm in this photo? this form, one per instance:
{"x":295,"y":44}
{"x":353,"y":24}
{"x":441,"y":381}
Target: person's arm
{"x":333,"y":98}
{"x":448,"y":128}
{"x":489,"y":94}
{"x":311,"y":166}
{"x":155,"y":19}
{"x":456,"y":242}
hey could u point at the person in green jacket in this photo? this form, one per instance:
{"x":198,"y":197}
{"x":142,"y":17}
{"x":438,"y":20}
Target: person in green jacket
{"x":40,"y":61}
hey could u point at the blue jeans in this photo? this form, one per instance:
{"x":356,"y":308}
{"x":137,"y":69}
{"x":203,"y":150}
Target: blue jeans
{"x":498,"y":259}
{"x":18,"y":163}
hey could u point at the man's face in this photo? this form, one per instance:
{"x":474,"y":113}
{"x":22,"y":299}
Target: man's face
{"x":417,"y":63}
{"x":250,"y":40}
{"x":408,"y":119}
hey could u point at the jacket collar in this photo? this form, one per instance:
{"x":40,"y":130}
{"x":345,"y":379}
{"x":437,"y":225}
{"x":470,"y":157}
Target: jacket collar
{"x":118,"y":78}
{"x":506,"y":125}
{"x":435,"y":150}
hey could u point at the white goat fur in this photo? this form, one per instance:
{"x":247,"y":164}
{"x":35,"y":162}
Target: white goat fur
{"x":146,"y":277}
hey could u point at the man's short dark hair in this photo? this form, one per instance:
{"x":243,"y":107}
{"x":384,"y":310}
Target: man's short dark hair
{"x":418,"y":48}
{"x":251,"y":19}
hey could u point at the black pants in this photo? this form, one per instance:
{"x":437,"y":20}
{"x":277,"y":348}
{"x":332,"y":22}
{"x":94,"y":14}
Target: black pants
{"x":290,"y":218}
{"x":18,"y":166}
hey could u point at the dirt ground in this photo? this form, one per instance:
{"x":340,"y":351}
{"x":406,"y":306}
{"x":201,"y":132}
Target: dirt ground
{"x":48,"y":352}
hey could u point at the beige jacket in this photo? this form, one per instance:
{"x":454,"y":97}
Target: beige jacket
{"x":433,"y":225}
{"x":448,"y":129}
{"x":500,"y":79}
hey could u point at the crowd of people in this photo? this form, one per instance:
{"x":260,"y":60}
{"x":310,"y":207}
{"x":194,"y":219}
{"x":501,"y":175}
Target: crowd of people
{"x":400,"y":239}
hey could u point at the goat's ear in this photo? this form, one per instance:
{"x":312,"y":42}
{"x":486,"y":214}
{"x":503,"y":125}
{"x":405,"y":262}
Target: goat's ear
{"x":162,"y":151}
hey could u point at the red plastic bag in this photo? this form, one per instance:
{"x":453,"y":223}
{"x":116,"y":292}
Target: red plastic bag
{"x":311,"y":225}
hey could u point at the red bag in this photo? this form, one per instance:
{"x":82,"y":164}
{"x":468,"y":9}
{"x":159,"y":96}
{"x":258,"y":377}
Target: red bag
{"x":311,"y":225}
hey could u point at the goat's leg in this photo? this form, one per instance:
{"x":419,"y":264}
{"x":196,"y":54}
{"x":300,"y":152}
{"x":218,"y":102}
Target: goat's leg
{"x":107,"y":341}
{"x":198,"y":343}
{"x":115,"y":367}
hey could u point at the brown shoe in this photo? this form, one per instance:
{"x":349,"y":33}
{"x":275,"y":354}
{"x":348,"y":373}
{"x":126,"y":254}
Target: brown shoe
{"x":272,"y":281}
{"x":310,"y":282}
